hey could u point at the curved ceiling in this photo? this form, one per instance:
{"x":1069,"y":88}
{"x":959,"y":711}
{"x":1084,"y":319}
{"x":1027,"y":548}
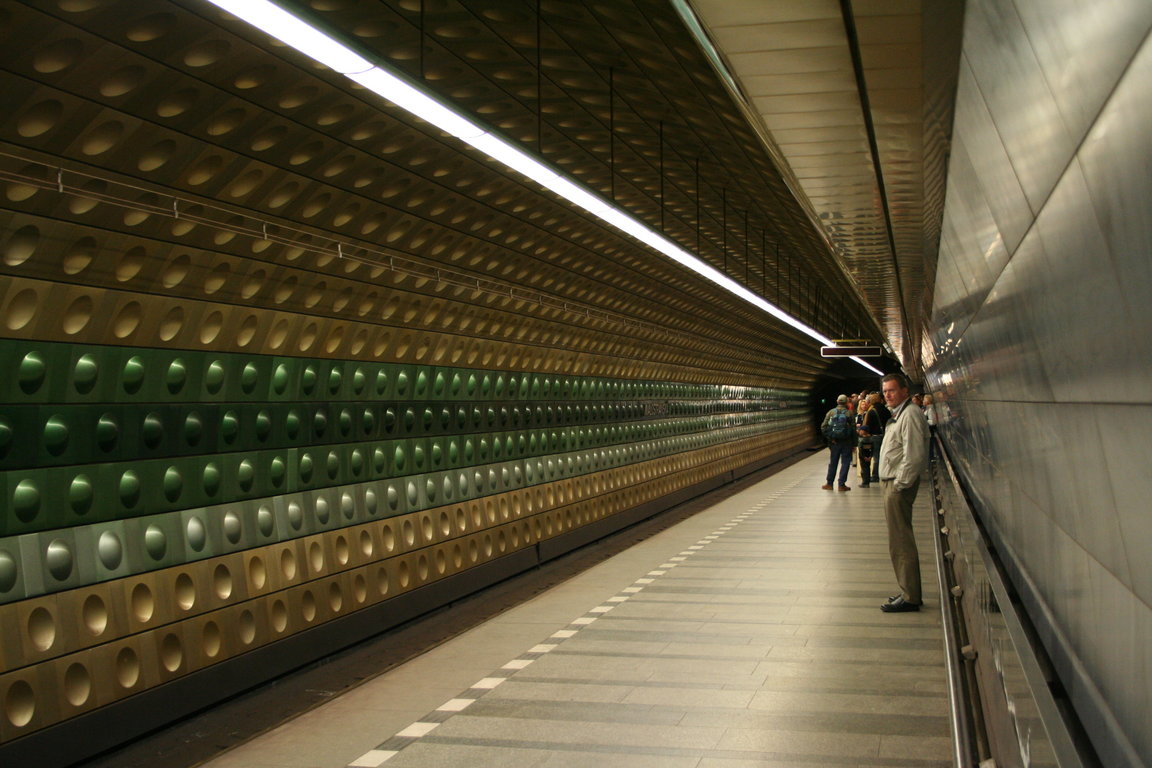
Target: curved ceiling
{"x":172,"y":106}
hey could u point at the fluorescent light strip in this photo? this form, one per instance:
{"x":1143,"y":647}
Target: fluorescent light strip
{"x":299,"y":34}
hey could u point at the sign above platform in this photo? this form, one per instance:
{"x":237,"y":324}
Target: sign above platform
{"x":857,"y":350}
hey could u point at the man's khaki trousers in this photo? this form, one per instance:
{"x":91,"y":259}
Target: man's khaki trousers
{"x":901,"y":540}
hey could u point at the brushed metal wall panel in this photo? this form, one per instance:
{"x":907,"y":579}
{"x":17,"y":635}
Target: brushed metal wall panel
{"x":1018,"y":96}
{"x":1116,"y":159}
{"x":1124,"y":467}
{"x":1043,"y":377}
{"x":990,"y":165}
{"x":1082,"y":49}
{"x":1081,"y":323}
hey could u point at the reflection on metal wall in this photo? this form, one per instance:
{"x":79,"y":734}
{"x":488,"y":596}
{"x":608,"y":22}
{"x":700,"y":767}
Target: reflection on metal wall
{"x":1040,"y":339}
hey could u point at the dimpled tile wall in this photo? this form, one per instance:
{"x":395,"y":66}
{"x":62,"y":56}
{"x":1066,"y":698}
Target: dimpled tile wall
{"x":275,"y":358}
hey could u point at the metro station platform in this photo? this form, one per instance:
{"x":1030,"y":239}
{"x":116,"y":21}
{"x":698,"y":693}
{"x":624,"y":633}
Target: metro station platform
{"x":749,"y":634}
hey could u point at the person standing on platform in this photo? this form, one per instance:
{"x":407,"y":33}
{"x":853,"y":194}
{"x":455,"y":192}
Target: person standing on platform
{"x":864,"y":439}
{"x":879,"y":415}
{"x":903,"y":457}
{"x":852,"y":411}
{"x":839,"y":429}
{"x":930,"y":414}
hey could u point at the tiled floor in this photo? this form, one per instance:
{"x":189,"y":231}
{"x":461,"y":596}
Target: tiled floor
{"x":748,"y":635}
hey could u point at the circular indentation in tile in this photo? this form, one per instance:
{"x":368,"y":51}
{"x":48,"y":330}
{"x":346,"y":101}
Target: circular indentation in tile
{"x":152,"y":431}
{"x":226,"y":122}
{"x":257,"y":572}
{"x":21,"y":245}
{"x":25,"y":500}
{"x":155,"y":542}
{"x":130,"y":263}
{"x":308,"y":606}
{"x":315,"y":557}
{"x":59,"y":560}
{"x":308,"y":337}
{"x":79,"y":256}
{"x":217,"y":278}
{"x":295,"y":515}
{"x":173,"y":484}
{"x":205,"y":170}
{"x":284,"y":195}
{"x":19,"y":704}
{"x":196,"y":533}
{"x":211,"y":639}
{"x":277,"y":471}
{"x":77,"y":684}
{"x":39,"y":118}
{"x":157,"y":156}
{"x":176,"y":271}
{"x":94,"y":613}
{"x":214,"y":377}
{"x":77,"y":315}
{"x":298,"y":96}
{"x":56,"y":435}
{"x":84,"y":374}
{"x":288,"y":564}
{"x":185,"y":592}
{"x":210,"y":480}
{"x":263,"y":424}
{"x":151,"y":27}
{"x":57,"y":56}
{"x":233,"y":526}
{"x":122,"y":82}
{"x":102,"y":138}
{"x":42,"y":628}
{"x":211,"y":326}
{"x":127,"y":320}
{"x":206,"y":53}
{"x":9,"y":571}
{"x":110,"y":550}
{"x":171,"y":652}
{"x":222,"y":581}
{"x":22,"y":309}
{"x":177,"y":103}
{"x":127,"y":668}
{"x":268,"y":138}
{"x":132,"y":375}
{"x":172,"y":324}
{"x":279,"y":616}
{"x":265,"y":521}
{"x":81,"y":494}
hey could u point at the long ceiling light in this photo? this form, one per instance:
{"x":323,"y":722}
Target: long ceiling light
{"x":313,"y":42}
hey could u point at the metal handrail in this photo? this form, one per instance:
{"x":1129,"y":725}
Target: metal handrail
{"x":1068,"y":750}
{"x":960,"y":713}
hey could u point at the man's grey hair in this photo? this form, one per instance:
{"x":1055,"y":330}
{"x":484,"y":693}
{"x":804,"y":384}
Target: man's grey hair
{"x":899,"y":378}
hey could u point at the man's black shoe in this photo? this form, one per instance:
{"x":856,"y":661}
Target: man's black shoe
{"x":899,"y":605}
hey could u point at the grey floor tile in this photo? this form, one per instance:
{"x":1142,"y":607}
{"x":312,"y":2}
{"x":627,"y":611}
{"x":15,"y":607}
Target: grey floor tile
{"x":764,"y":646}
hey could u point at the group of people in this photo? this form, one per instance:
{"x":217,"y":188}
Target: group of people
{"x":866,"y":415}
{"x":890,"y":431}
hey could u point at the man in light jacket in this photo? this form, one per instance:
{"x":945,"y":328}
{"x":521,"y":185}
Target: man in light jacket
{"x":903,"y":457}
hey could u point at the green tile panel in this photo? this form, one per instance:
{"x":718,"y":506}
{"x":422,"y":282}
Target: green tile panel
{"x":54,"y":560}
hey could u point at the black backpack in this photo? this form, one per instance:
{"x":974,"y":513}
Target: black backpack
{"x":839,"y":425}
